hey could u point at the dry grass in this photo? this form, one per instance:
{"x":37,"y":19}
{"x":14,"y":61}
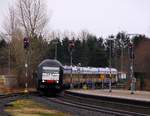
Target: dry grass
{"x":27,"y":107}
{"x":7,"y":90}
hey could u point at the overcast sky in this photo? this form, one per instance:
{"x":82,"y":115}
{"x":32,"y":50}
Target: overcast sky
{"x":100,"y":17}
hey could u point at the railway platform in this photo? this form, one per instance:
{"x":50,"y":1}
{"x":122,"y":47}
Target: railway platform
{"x":122,"y":95}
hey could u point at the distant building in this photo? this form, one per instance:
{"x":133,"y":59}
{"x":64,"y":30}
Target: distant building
{"x":141,"y":65}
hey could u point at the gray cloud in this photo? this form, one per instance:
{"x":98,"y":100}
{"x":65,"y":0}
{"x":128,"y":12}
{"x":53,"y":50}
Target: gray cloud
{"x":101,"y":17}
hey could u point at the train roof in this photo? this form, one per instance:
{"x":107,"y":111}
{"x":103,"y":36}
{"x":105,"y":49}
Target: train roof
{"x":77,"y":69}
{"x":50,"y":62}
{"x":89,"y":70}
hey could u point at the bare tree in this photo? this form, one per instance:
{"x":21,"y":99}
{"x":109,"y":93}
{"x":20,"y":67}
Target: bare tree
{"x":32,"y":16}
{"x":26,"y":17}
{"x":10,"y":24}
{"x":83,"y":35}
{"x":12,"y":35}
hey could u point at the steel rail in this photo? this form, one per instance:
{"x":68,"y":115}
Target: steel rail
{"x":107,"y":101}
{"x":81,"y":105}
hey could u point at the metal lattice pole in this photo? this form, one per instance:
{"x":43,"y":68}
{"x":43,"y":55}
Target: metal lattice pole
{"x":110,"y":90}
{"x":55,"y":50}
{"x":26,"y":71}
{"x":132,"y":71}
{"x":71,"y":68}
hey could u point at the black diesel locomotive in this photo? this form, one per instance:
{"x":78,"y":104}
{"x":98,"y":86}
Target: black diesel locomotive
{"x":50,"y":76}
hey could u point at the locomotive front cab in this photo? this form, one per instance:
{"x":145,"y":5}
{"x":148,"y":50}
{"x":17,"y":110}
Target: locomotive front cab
{"x":50,"y":76}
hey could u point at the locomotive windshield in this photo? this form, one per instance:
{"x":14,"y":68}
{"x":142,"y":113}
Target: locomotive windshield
{"x":50,"y":73}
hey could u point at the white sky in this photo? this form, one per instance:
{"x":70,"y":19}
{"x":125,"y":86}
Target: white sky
{"x":100,"y":17}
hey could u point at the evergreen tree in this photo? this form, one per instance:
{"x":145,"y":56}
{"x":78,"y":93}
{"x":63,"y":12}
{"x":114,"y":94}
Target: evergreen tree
{"x":65,"y":51}
{"x":77,"y":52}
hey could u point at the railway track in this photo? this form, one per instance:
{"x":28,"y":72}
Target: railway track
{"x":81,"y":103}
{"x":5,"y":101}
{"x":110,"y":108}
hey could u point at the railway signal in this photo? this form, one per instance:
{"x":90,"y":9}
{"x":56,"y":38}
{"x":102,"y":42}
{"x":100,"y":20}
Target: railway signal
{"x":26,"y":46}
{"x":132,"y":56}
{"x":131,"y":52}
{"x":111,"y":38}
{"x":71,"y":45}
{"x":26,"y":43}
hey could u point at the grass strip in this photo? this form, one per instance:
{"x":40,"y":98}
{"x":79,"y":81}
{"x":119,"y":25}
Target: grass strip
{"x":27,"y":107}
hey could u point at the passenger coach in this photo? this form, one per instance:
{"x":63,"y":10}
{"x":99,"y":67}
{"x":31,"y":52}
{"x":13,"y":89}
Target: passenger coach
{"x":80,"y":76}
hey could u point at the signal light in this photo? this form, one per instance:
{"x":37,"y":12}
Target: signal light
{"x":71,"y":45}
{"x":26,"y":43}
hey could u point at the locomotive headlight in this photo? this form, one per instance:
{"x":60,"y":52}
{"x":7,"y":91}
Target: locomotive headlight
{"x":56,"y":81}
